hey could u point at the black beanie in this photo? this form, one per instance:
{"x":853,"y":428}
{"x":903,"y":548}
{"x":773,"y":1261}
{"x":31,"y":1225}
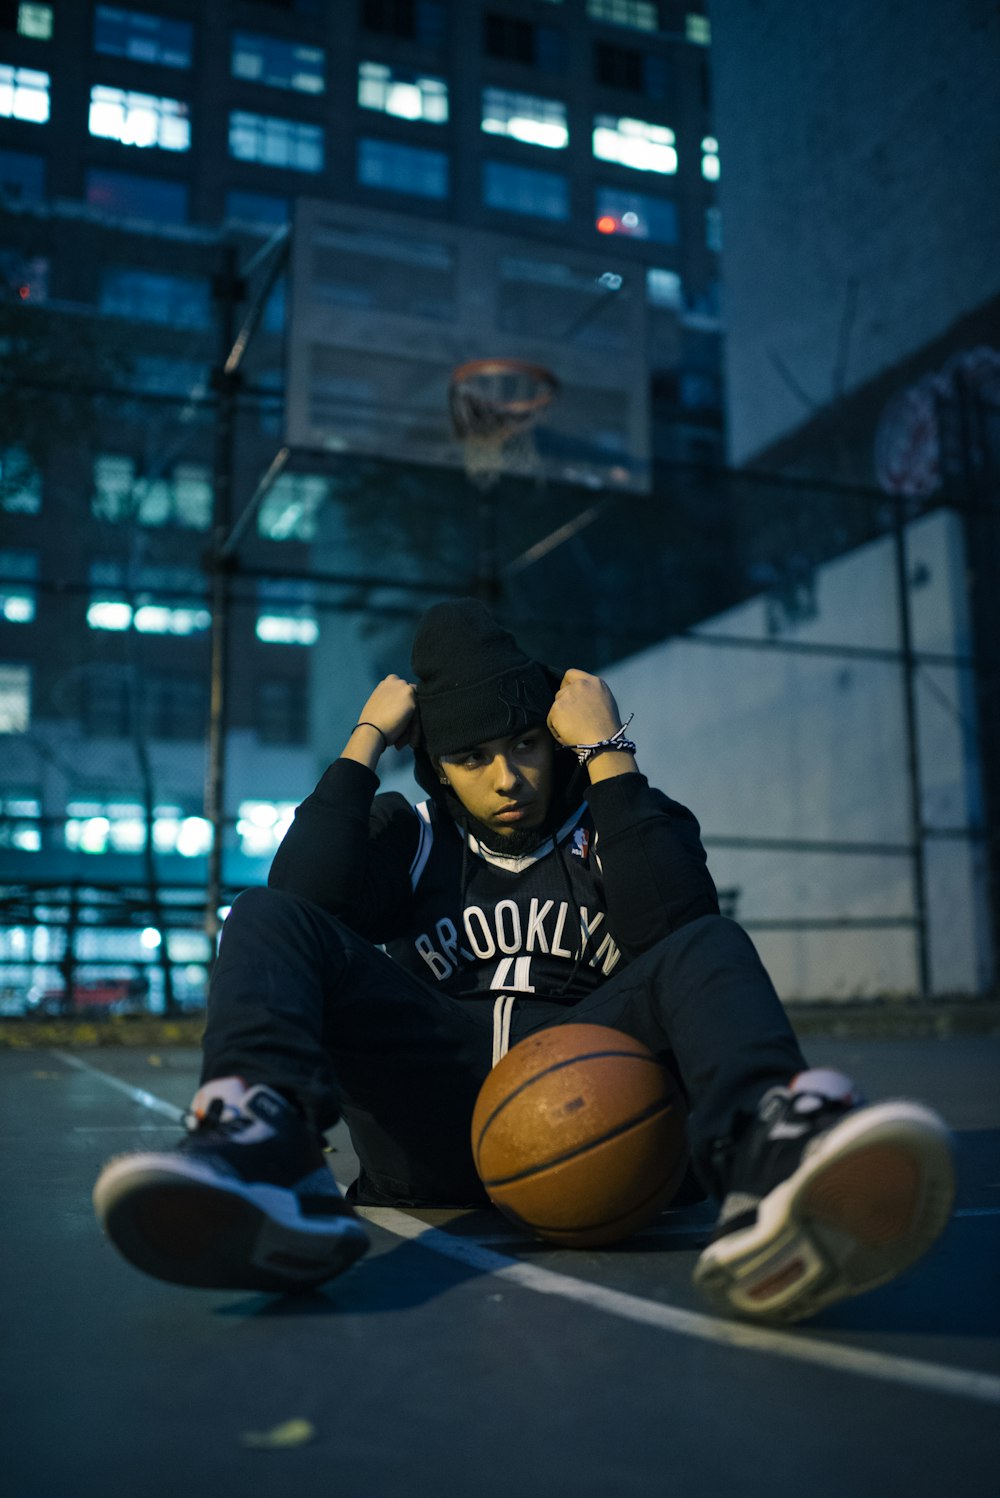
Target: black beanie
{"x":474,"y":682}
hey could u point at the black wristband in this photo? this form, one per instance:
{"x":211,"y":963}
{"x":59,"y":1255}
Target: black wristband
{"x":365,"y":724}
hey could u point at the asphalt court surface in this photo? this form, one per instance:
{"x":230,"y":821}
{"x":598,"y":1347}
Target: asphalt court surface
{"x":462,"y":1358}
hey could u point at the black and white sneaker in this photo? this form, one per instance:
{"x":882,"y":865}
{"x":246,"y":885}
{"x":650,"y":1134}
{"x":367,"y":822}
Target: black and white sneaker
{"x":826,"y":1198}
{"x":245,"y":1202}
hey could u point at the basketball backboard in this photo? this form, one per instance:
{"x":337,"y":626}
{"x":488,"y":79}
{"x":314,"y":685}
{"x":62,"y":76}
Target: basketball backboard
{"x":384,"y":307}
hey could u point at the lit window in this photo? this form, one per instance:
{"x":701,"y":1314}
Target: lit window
{"x":261,"y":825}
{"x":34,"y":21}
{"x":142,"y":37}
{"x":698,"y":29}
{"x":710,"y":158}
{"x":713,"y":229}
{"x":275,"y":142}
{"x":288,"y":511}
{"x":18,"y":575}
{"x":397,"y":168}
{"x":20,"y":821}
{"x":20,"y":483}
{"x":521,"y":189}
{"x":15,"y":698}
{"x":636,"y":215}
{"x":162,"y":600}
{"x":26,"y":277}
{"x":285,"y":612}
{"x":408,"y":96}
{"x":278,"y":63}
{"x":24,"y":94}
{"x":94,"y":826}
{"x":640,"y":15}
{"x":539,"y":122}
{"x":149,"y":296}
{"x":139,"y":119}
{"x":162,"y":374}
{"x":185,"y":498}
{"x":663,"y":288}
{"x":22,"y":176}
{"x":634,"y":143}
{"x":127,"y":195}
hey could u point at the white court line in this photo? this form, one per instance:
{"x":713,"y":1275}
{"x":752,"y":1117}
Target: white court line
{"x":936,"y":1378}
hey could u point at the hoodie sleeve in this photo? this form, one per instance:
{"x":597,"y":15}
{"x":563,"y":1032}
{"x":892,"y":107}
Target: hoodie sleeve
{"x":654,"y":866}
{"x":350,"y":851}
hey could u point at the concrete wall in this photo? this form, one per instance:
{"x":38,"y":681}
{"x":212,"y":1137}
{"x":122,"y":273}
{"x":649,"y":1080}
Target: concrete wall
{"x":860,"y":153}
{"x":773,"y":744}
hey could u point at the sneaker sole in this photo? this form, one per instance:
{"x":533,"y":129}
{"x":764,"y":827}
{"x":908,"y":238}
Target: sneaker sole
{"x":187,"y":1227}
{"x":870,"y":1200}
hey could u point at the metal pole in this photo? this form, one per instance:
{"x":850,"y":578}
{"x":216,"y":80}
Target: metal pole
{"x":228,"y":293}
{"x":909,"y":669}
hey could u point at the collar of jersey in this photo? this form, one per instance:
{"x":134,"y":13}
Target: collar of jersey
{"x":515,"y":863}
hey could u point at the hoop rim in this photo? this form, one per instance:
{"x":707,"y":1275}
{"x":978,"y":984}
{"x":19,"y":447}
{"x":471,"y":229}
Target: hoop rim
{"x":475,"y":368}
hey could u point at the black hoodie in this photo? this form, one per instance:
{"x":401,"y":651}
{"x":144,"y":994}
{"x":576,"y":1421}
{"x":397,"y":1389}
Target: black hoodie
{"x":618,"y":866}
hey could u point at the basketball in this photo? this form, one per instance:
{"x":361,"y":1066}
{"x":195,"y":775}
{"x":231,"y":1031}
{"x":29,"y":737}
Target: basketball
{"x":578,"y":1135}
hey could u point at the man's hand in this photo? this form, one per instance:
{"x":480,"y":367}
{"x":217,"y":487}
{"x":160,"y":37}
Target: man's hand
{"x":584,"y":711}
{"x":388,"y":717}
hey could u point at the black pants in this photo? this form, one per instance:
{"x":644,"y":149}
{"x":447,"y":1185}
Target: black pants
{"x":301,"y":1002}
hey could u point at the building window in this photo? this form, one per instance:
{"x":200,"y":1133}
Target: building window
{"x":398,"y":168}
{"x":539,"y":122}
{"x":420,"y":21}
{"x":514,"y":40}
{"x":638,"y":15}
{"x":698,"y":29}
{"x":15,"y":698}
{"x":184,"y":499}
{"x":634,"y":143}
{"x":161,"y":374}
{"x":161,"y":600}
{"x":281,"y":711}
{"x":618,"y":67}
{"x":153,"y":297}
{"x":286,"y":615}
{"x":22,"y":176}
{"x":142,"y":37}
{"x":119,"y":826}
{"x":139,"y":119}
{"x":261,"y":825}
{"x":256,"y":210}
{"x":20,"y":821}
{"x":288,"y":511}
{"x":636,"y":215}
{"x":176,"y":707}
{"x":146,"y":199}
{"x":24,"y":94}
{"x":663,"y":289}
{"x":20,"y":482}
{"x":34,"y":21}
{"x":279,"y":64}
{"x":713,"y":229}
{"x":18,"y":593}
{"x":710,"y":159}
{"x":521,"y":189}
{"x":275,"y":142}
{"x":408,"y":96}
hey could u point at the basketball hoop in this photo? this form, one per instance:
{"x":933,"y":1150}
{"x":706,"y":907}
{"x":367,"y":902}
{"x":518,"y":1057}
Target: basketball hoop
{"x":494,"y":406}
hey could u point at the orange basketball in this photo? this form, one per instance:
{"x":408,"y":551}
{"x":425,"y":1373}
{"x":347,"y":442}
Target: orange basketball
{"x":578,"y":1135}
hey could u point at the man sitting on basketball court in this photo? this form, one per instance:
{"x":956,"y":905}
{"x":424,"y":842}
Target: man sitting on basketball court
{"x":542,"y":881}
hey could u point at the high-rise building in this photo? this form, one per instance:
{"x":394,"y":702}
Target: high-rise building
{"x":137,"y":142}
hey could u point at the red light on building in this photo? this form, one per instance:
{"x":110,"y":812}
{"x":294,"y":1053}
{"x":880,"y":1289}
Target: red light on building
{"x":24,"y":292}
{"x":606,"y":224}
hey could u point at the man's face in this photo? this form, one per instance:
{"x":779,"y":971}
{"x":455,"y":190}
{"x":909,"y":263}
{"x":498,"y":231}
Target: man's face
{"x":505,"y":783}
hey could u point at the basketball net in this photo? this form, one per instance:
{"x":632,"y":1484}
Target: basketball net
{"x":495,"y":405}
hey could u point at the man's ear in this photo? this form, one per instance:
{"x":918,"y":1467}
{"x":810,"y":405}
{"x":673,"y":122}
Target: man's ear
{"x":436,"y":763}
